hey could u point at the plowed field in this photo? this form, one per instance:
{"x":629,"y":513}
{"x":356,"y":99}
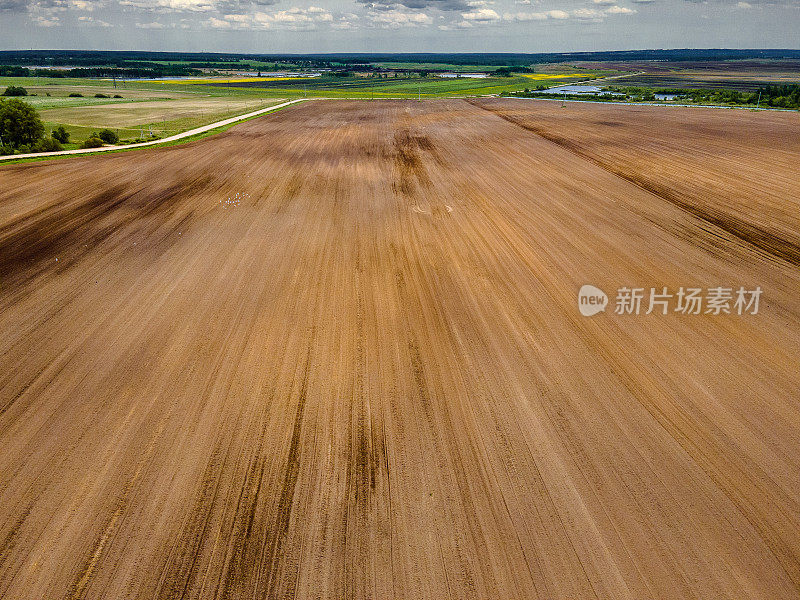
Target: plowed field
{"x":336,"y":352}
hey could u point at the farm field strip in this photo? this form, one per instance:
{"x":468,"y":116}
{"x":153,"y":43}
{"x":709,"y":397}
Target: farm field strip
{"x":700,"y":161}
{"x":184,"y":134}
{"x":161,"y":117}
{"x":143,"y":109}
{"x":379,"y":87}
{"x":337,"y":353}
{"x":143,"y":113}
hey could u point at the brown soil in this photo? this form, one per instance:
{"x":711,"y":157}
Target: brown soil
{"x":366,"y":376}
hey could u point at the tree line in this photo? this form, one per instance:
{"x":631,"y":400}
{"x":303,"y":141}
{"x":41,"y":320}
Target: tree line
{"x":150,"y":72}
{"x":22,"y":131}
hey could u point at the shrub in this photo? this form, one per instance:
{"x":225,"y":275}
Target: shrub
{"x":100,"y":96}
{"x":15,"y":90}
{"x":117,"y":96}
{"x":108,"y":136}
{"x":92,"y":142}
{"x":75,"y":95}
{"x":19,"y":123}
{"x":47,"y":145}
{"x":61,"y":134}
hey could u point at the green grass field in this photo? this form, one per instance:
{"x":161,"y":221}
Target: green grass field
{"x":140,"y":119}
{"x":191,"y":138}
{"x":412,"y":66}
{"x":397,"y":87}
{"x":146,"y":107}
{"x":327,"y":85}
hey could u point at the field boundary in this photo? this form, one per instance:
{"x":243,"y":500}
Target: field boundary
{"x":173,"y":138}
{"x":739,"y":229}
{"x":621,"y":103}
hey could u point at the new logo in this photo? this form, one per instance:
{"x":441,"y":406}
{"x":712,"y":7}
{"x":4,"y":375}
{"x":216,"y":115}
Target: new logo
{"x":591,"y":300}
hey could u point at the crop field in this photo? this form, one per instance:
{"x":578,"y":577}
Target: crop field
{"x":400,"y":87}
{"x":744,"y":76}
{"x":164,"y":116}
{"x":145,"y":107}
{"x":59,"y":90}
{"x":336,"y":352}
{"x":226,"y":80}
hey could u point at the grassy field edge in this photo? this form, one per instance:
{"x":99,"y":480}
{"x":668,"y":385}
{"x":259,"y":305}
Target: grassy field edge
{"x":190,"y":138}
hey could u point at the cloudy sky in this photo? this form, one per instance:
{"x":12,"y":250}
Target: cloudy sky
{"x":264,"y":26}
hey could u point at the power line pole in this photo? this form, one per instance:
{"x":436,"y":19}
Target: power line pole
{"x":759,"y":99}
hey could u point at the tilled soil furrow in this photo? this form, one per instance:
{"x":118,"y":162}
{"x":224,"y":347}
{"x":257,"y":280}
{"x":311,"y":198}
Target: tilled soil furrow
{"x":337,"y":352}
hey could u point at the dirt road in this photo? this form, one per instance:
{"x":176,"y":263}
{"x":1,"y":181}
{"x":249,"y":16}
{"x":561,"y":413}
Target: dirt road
{"x":171,"y":138}
{"x":337,"y":353}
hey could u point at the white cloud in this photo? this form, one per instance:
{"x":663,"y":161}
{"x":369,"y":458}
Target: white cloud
{"x":525,"y":16}
{"x":538,"y":16}
{"x":238,"y":18}
{"x":259,"y":15}
{"x":586,"y":13}
{"x":744,"y":5}
{"x":397,"y":19}
{"x":581,"y":14}
{"x":300,"y":17}
{"x":416,"y":5}
{"x":172,"y":5}
{"x":186,"y":5}
{"x":94,"y":22}
{"x":48,"y":21}
{"x":292,"y":19}
{"x":345,"y":21}
{"x":49,"y":7}
{"x":482,"y":15}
